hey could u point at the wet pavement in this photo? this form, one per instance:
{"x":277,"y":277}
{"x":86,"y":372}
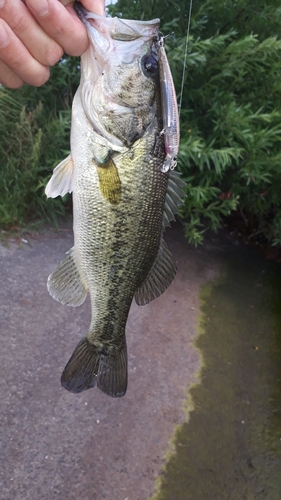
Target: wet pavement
{"x":230,"y":449}
{"x":56,"y":445}
{"x":170,"y":437}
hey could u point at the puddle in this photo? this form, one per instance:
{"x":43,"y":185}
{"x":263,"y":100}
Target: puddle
{"x":230,"y":449}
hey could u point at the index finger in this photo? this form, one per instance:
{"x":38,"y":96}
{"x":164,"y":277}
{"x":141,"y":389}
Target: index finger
{"x":61,"y":24}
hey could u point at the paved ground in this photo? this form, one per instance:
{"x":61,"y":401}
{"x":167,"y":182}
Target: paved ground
{"x":56,"y":445}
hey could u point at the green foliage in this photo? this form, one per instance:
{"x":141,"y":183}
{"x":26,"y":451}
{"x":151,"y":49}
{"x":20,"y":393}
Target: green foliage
{"x":231,"y":110}
{"x":34,"y":132}
{"x":231,"y":132}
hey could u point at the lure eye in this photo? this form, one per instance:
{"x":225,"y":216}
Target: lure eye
{"x":149,"y":65}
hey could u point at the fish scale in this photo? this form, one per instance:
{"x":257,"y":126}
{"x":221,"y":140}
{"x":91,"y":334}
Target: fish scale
{"x":122,"y":199}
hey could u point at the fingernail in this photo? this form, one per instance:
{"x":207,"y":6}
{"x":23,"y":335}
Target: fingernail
{"x":40,"y":7}
{"x":4,"y":39}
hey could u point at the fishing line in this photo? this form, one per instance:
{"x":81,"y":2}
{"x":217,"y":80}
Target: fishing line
{"x":185,"y":54}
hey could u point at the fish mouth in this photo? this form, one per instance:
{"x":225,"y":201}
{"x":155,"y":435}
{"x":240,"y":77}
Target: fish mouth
{"x":108,"y":37}
{"x":81,"y":11}
{"x":119,"y":29}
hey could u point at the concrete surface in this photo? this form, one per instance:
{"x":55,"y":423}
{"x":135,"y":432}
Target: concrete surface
{"x":230,"y":449}
{"x":56,"y":445}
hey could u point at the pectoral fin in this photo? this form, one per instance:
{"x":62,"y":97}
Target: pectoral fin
{"x":65,"y":284}
{"x":61,"y":180}
{"x":159,"y":277}
{"x":109,"y":181}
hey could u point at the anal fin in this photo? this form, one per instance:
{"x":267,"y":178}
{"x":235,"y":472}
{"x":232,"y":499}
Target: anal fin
{"x":159,"y":277}
{"x":65,"y":284}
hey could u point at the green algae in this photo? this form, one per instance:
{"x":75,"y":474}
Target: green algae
{"x":230,"y":447}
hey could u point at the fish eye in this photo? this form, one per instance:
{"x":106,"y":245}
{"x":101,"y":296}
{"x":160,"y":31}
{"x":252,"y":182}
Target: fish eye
{"x":149,"y":65}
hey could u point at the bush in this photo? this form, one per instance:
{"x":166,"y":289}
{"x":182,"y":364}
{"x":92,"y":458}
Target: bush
{"x":231,"y":109}
{"x":231,"y":133}
{"x":34,"y":132}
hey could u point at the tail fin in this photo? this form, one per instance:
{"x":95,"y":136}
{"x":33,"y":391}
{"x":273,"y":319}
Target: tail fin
{"x":88,"y":368}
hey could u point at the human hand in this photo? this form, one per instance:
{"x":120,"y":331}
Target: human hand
{"x":34,"y":34}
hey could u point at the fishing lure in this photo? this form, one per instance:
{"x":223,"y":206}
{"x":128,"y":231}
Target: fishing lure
{"x":171,"y":125}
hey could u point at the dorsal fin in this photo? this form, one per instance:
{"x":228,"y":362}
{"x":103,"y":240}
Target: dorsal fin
{"x":159,"y":277}
{"x":174,"y":196}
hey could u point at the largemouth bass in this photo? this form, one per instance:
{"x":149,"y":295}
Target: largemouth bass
{"x":124,"y":192}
